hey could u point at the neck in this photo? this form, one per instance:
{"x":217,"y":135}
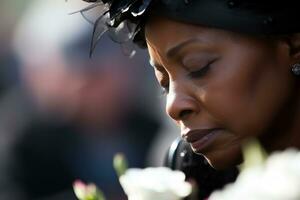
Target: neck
{"x":286,"y":132}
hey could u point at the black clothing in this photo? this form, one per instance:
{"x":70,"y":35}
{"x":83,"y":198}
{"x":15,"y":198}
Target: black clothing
{"x":181,"y":157}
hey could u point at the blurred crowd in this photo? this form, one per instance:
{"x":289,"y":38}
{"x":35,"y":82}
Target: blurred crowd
{"x":64,"y":115}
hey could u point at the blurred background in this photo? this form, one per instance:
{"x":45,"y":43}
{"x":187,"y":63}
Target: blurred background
{"x":63,"y":115}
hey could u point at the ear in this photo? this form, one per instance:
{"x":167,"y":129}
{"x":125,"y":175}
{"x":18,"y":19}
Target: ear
{"x":294,"y":44}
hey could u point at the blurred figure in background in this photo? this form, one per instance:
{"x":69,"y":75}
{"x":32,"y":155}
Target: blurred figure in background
{"x":71,"y":114}
{"x":10,"y":11}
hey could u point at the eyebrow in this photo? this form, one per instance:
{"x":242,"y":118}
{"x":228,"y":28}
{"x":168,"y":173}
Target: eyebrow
{"x":174,"y":50}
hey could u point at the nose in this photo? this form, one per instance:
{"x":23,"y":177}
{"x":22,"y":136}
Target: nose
{"x":180,"y":103}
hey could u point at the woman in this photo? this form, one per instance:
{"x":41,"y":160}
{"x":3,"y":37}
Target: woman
{"x":230,"y":69}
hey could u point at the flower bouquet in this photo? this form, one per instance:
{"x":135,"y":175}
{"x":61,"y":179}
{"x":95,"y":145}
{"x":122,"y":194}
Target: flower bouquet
{"x":262,"y":177}
{"x":141,"y":184}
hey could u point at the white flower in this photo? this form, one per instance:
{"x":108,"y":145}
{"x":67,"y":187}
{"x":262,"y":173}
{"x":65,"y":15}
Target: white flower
{"x":155,"y":184}
{"x":277,"y":179}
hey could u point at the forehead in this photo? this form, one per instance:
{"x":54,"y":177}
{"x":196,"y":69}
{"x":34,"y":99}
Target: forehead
{"x":162,"y":34}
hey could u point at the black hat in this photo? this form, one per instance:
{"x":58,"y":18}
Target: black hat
{"x":267,"y":17}
{"x":247,"y":16}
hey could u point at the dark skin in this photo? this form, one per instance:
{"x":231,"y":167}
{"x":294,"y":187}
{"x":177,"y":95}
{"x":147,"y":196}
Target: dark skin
{"x":231,"y":85}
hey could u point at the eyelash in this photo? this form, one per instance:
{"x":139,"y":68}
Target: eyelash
{"x":201,"y":72}
{"x":165,"y":90}
{"x":195,"y":74}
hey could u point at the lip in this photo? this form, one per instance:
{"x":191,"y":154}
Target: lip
{"x":201,"y":138}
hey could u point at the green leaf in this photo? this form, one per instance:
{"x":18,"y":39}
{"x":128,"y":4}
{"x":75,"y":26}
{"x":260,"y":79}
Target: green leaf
{"x":120,"y":164}
{"x":254,"y":154}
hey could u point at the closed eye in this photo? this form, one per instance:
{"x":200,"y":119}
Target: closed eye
{"x":163,"y":79}
{"x":165,"y":89}
{"x":201,"y":72}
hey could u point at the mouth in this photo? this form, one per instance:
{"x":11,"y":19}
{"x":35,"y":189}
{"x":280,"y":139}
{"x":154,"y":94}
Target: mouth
{"x":200,"y":139}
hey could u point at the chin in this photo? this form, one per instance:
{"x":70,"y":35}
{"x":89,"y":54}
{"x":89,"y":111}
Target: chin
{"x":222,"y":160}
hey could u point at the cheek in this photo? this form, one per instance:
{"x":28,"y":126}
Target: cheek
{"x":246,"y":95}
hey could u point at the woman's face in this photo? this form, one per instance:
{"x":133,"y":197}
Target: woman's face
{"x":221,"y":87}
